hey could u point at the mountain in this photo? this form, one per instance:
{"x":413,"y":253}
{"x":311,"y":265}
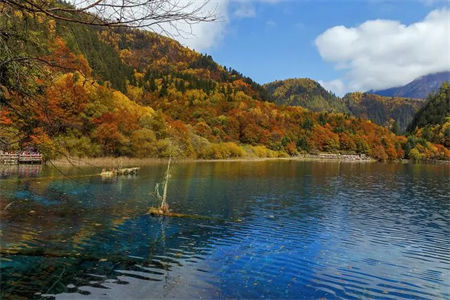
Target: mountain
{"x":418,"y":88}
{"x":310,"y":94}
{"x":127,"y":92}
{"x":435,"y":111}
{"x":306,"y":93}
{"x":383,"y":110}
{"x":429,"y":132}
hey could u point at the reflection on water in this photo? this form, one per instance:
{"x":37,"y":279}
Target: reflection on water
{"x":19,"y":170}
{"x":309,"y":229}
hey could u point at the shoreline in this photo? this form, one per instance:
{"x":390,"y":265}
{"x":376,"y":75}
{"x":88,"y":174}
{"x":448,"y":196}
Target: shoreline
{"x":130,"y":161}
{"x":109,"y":163}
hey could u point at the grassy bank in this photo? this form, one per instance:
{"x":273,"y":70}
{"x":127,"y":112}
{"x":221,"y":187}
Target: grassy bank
{"x":111,"y":162}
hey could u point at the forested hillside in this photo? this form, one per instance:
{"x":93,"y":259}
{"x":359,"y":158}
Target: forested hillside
{"x":125,"y":92}
{"x":393,"y":112}
{"x":431,"y":125}
{"x":396,"y":113}
{"x":435,"y":111}
{"x":306,"y":93}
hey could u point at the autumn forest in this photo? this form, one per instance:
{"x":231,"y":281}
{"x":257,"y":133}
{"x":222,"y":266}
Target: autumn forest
{"x":96,"y":91}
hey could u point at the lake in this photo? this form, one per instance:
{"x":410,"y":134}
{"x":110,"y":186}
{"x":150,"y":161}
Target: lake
{"x":278,"y":229}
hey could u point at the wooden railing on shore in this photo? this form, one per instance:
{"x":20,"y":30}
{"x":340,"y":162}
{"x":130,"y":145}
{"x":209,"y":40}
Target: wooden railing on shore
{"x":20,"y":158}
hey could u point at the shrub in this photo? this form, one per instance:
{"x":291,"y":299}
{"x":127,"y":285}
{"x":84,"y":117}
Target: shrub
{"x":81,"y":146}
{"x":222,"y":151}
{"x":379,"y":153}
{"x":262,"y":152}
{"x":143,"y":143}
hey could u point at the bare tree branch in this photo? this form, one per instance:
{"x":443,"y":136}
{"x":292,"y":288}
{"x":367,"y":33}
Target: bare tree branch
{"x":120,"y":13}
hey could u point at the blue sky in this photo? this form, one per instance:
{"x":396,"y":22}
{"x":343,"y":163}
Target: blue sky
{"x":275,"y":39}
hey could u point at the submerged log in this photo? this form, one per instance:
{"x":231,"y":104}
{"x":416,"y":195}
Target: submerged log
{"x":105,"y":173}
{"x":118,"y":172}
{"x":127,"y":171}
{"x":158,"y":212}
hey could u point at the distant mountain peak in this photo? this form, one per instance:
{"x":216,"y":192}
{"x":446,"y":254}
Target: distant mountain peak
{"x":418,"y":88}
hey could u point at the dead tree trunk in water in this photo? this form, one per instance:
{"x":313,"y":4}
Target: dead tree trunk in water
{"x":164,"y":205}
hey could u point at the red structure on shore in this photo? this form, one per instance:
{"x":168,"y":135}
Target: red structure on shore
{"x":20,"y":157}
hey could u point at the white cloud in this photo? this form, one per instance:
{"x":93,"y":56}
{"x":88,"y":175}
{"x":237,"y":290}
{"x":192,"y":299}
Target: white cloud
{"x":204,"y":35}
{"x":336,"y":86}
{"x":380,"y":54}
{"x":200,"y":36}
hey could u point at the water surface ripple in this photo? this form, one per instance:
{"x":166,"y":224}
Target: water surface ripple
{"x":308,"y":230}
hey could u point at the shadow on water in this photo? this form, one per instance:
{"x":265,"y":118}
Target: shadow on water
{"x":310,"y":229}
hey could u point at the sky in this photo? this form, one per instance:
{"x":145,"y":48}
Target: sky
{"x":349,"y":45}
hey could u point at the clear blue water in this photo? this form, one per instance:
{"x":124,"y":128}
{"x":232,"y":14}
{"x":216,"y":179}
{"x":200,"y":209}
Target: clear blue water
{"x":309,"y":230}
